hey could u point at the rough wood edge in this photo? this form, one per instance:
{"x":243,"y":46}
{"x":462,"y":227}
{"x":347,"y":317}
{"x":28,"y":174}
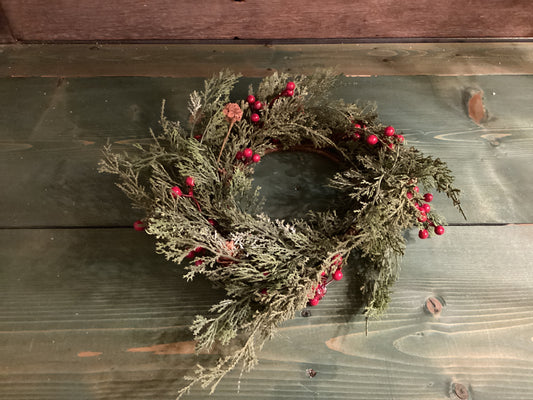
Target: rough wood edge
{"x":200,"y":60}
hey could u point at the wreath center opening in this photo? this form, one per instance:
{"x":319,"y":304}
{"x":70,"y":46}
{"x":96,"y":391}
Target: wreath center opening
{"x":295,"y":182}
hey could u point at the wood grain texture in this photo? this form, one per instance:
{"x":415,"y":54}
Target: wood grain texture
{"x":5,"y":30}
{"x":105,"y":292}
{"x":32,"y":20}
{"x":172,"y":60}
{"x":52,"y":132}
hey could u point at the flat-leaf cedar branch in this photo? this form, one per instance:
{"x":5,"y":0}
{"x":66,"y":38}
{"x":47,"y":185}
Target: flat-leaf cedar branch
{"x":207,"y":218}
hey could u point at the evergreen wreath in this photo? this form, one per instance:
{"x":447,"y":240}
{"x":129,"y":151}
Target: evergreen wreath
{"x":195,"y":186}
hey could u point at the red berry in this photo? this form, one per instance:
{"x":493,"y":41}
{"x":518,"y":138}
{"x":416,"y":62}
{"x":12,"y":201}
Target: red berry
{"x":189,"y":181}
{"x":422,"y":218}
{"x":288,"y":93}
{"x":389,"y":131}
{"x":372,"y":140}
{"x":191,"y":254}
{"x":337,"y":275}
{"x":314,"y":301}
{"x":337,"y":259}
{"x":399,"y":138}
{"x":250,"y":99}
{"x":356,"y":136}
{"x":290,"y":86}
{"x":439,"y":230}
{"x":239,"y":155}
{"x":212,"y":221}
{"x":416,"y":189}
{"x":409,"y":195}
{"x":255,"y":117}
{"x":428,"y":197}
{"x":264,"y":291}
{"x":258,"y":105}
{"x":199,"y":250}
{"x":390,"y":146}
{"x":423,"y":234}
{"x":198,"y":137}
{"x":357,"y":126}
{"x":139,"y":226}
{"x":256,"y":158}
{"x":248,"y":152}
{"x":426,"y":207}
{"x":176,"y":192}
{"x":198,"y":262}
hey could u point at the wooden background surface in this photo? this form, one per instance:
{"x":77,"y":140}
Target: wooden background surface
{"x":132,"y":20}
{"x":89,"y":311}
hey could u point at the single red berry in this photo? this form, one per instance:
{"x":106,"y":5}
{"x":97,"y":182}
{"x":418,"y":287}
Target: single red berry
{"x":288,"y":93}
{"x":337,"y":275}
{"x":212,"y":221}
{"x":191,"y":254}
{"x":337,"y":259}
{"x":198,"y":262}
{"x":356,"y":136}
{"x":189,"y":181}
{"x":139,"y":226}
{"x":198,"y":137}
{"x":428,"y":197}
{"x":416,"y":189}
{"x":250,"y":99}
{"x":372,"y":140}
{"x":314,"y":301}
{"x":390,"y":146}
{"x":423,"y":234}
{"x":389,"y":131}
{"x":439,"y":230}
{"x":357,"y":126}
{"x":264,"y":291}
{"x":422,"y":218}
{"x":248,"y":152}
{"x":176,"y":192}
{"x":256,"y":158}
{"x":199,"y":250}
{"x":239,"y":155}
{"x":399,"y":138}
{"x":290,"y":86}
{"x":258,"y":105}
{"x":409,"y":195}
{"x":255,"y":117}
{"x":426,"y":207}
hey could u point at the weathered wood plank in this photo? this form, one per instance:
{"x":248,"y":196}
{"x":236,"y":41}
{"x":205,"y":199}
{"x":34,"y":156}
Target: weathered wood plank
{"x":85,"y":322}
{"x":5,"y":31}
{"x":252,"y":19}
{"x":52,"y":130}
{"x":173,"y":60}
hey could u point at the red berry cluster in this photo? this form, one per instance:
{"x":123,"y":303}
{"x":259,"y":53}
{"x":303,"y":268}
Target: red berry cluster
{"x":423,"y":211}
{"x":389,"y":137}
{"x":177,"y":192}
{"x":195,"y":253}
{"x":247,"y":156}
{"x":327,"y":278}
{"x":256,"y":106}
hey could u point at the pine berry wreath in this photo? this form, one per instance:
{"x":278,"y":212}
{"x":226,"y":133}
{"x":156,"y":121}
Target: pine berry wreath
{"x":194,"y":184}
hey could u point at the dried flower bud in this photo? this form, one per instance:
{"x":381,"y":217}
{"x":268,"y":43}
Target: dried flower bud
{"x":233,"y":112}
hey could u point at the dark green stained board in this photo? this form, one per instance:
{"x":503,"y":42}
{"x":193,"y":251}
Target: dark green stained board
{"x":52,"y":131}
{"x":108,"y":320}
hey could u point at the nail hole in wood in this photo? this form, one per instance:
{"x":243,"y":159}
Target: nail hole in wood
{"x":305,"y":313}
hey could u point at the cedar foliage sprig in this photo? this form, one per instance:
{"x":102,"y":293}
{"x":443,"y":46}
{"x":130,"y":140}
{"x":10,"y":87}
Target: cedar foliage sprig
{"x":268,"y":268}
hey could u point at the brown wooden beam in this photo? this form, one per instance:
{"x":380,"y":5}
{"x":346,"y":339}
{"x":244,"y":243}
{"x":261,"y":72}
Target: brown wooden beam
{"x":100,"y":20}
